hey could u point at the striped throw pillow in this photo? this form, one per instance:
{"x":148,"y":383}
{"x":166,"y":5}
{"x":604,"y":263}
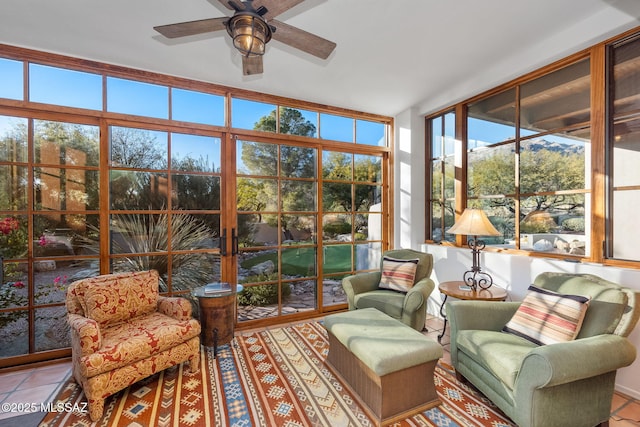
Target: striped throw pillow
{"x":546,"y":317}
{"x":398,"y":274}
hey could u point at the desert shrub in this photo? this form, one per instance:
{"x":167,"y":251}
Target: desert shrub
{"x":539,"y":221}
{"x":573,"y":224}
{"x":533,"y":227}
{"x":338,"y":227}
{"x":141,"y":234}
{"x":360,"y":236}
{"x":261,"y":295}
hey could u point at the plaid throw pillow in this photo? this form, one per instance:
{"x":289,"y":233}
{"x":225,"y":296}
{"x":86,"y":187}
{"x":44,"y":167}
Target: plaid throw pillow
{"x":546,"y":317}
{"x":398,"y":274}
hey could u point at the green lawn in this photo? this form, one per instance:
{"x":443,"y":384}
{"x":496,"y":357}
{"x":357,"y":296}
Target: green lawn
{"x":299,"y":261}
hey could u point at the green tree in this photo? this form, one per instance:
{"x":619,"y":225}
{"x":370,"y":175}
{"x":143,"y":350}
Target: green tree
{"x":13,"y":147}
{"x":251,"y":196}
{"x":367,"y":169}
{"x":140,"y":149}
{"x":493,"y":174}
{"x":136,"y":148}
{"x":338,"y":195}
{"x":541,"y":171}
{"x":78,"y":145}
{"x":546,"y":170}
{"x":68,"y":144}
{"x":292,"y":122}
{"x":285,"y":161}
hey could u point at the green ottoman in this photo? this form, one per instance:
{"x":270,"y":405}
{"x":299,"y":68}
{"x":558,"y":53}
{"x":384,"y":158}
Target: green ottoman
{"x":387,"y":365}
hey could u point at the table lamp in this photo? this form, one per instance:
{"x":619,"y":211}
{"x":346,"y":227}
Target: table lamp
{"x":474,"y":222}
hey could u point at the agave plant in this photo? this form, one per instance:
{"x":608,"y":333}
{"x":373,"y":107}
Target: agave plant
{"x":144,"y":234}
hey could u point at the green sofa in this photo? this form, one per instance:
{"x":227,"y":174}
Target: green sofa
{"x":410,"y":308}
{"x":557,"y":385}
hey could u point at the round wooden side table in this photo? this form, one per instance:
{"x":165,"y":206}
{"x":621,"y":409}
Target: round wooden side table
{"x":217,"y":315}
{"x":460,"y":290}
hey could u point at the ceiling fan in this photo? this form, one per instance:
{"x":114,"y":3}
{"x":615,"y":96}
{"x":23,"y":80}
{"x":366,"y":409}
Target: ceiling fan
{"x":251,"y":27}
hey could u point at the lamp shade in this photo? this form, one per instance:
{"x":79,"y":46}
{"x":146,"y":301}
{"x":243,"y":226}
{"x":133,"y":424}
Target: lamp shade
{"x":473,"y":222}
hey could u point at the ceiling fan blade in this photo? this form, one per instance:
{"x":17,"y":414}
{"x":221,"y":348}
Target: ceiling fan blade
{"x":191,"y":28}
{"x":300,"y":39}
{"x":275,"y":7}
{"x":226,"y":4}
{"x":251,"y":65}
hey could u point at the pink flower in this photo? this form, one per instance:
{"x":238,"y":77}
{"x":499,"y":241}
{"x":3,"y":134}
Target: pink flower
{"x":8,"y":224}
{"x":18,"y":284}
{"x":59,"y":282}
{"x":42,"y":241}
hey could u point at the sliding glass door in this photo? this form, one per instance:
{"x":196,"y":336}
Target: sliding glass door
{"x":298,"y":232}
{"x":276,"y":237}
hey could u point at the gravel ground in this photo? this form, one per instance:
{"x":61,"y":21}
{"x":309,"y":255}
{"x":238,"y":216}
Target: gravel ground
{"x":51,"y":327}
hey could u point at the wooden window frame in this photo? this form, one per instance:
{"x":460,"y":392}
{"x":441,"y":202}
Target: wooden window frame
{"x":597,"y":55}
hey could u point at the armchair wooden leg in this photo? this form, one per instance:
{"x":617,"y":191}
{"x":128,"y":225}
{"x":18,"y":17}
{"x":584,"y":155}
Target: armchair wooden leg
{"x":193,"y":364}
{"x":461,"y":379}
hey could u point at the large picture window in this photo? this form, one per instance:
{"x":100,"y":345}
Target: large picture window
{"x":528,"y":163}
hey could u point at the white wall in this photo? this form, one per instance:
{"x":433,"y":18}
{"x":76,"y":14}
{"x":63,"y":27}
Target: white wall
{"x":409,"y":184}
{"x":608,"y":23}
{"x":516,"y":273}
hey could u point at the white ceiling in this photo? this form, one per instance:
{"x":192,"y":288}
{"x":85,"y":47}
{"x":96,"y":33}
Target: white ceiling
{"x":392,"y":55}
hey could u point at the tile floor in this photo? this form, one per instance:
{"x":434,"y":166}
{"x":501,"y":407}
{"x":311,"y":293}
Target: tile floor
{"x":31,"y":386}
{"x":41,"y":384}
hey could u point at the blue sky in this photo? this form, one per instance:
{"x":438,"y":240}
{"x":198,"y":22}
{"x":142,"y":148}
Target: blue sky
{"x":70,"y":88}
{"x":52,"y":85}
{"x":482,"y":133}
{"x":56,"y":86}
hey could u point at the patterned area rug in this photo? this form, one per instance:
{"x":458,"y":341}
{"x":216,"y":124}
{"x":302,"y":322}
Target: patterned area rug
{"x":275,"y":377}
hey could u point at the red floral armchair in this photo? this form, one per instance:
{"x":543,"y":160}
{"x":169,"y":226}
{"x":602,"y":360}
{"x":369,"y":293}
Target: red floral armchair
{"x":122,"y":331}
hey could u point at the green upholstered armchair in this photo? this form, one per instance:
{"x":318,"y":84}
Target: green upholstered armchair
{"x":556,"y":385}
{"x":411,"y":308}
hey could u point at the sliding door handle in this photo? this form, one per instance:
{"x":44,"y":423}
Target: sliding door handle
{"x":223,"y":242}
{"x":234,"y":242}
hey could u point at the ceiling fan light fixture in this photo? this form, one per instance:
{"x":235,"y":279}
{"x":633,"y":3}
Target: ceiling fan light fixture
{"x":251,"y":28}
{"x":250,"y":33}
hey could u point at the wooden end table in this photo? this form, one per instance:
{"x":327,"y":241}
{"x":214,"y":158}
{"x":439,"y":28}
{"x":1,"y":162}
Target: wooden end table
{"x":456,"y":289}
{"x":217,"y":316}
